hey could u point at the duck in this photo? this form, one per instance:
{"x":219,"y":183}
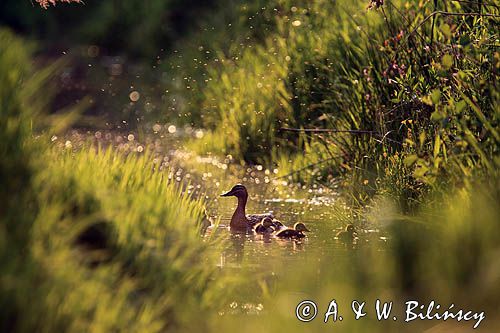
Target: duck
{"x":348,"y":234}
{"x":266,"y":226}
{"x":240,"y":221}
{"x":296,"y":232}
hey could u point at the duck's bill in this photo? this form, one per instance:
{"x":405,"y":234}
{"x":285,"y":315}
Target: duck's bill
{"x":305,"y":229}
{"x":227,"y":194}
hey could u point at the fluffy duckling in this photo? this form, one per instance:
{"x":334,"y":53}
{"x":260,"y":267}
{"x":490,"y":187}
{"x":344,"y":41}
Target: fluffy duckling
{"x":266,"y":226}
{"x":278,"y":225}
{"x":348,"y":234}
{"x":206,"y":221}
{"x":296,"y":232}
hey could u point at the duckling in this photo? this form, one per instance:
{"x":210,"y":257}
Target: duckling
{"x":347,"y":235}
{"x":278,"y":225}
{"x":266,"y":226}
{"x":206,"y":222}
{"x":239,"y":220}
{"x":296,"y":232}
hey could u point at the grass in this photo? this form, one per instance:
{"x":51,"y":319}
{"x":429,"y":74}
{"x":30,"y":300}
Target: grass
{"x":92,"y":240}
{"x":136,"y":228}
{"x":424,"y":90}
{"x":113,"y":245}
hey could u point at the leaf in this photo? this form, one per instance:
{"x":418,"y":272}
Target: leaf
{"x":410,"y":160}
{"x":437,"y":116}
{"x":435,"y":96}
{"x":421,"y":139}
{"x":437,"y":145}
{"x":460,"y":106}
{"x":447,"y":61}
{"x":427,"y":100}
{"x":446,"y":30}
{"x":409,"y":142}
{"x":420,"y":172}
{"x":481,"y":116}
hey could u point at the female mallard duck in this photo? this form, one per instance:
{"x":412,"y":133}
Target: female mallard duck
{"x":266,"y":226}
{"x":296,"y":232}
{"x":347,"y":235}
{"x":239,"y":220}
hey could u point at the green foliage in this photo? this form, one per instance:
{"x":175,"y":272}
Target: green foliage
{"x":224,"y":34}
{"x":421,"y":87}
{"x":128,"y":244}
{"x":91,"y":240}
{"x":247,"y":116}
{"x":14,"y":130}
{"x":16,"y":191}
{"x":313,"y":165}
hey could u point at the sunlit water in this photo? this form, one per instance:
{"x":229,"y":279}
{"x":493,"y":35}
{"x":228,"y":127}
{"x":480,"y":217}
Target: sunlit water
{"x":316,"y":210}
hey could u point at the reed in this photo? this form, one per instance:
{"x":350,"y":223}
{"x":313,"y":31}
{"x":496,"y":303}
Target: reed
{"x":408,"y":87}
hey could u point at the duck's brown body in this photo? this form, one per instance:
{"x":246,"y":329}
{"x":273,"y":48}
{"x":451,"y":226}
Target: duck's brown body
{"x":260,"y":223}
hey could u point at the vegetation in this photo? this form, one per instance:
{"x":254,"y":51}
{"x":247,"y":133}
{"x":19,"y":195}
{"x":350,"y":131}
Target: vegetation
{"x":415,"y":96}
{"x":46,"y":3}
{"x":91,"y":240}
{"x":394,"y":103}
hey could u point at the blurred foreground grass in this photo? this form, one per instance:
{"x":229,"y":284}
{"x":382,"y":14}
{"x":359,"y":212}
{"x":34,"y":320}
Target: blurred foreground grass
{"x":93,"y":240}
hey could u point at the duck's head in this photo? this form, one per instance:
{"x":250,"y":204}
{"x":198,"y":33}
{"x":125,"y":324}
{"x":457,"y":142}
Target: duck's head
{"x":238,"y":191}
{"x":350,"y":229}
{"x":301,"y":227}
{"x":267,"y":222}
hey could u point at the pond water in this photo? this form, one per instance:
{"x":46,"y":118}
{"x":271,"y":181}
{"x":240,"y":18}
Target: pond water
{"x":257,"y":249}
{"x":322,"y":212}
{"x":293,"y":269}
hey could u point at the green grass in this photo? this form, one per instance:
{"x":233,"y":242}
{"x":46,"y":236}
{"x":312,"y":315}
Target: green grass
{"x":152,"y":253}
{"x":427,"y":91}
{"x":113,"y":245}
{"x":91,"y":240}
